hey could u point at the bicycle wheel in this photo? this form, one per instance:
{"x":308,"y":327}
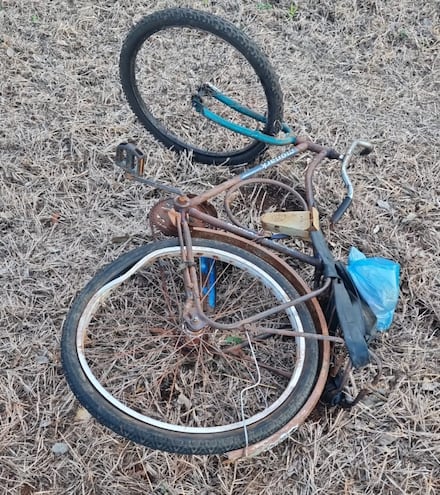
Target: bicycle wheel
{"x":130,"y":361}
{"x":165,"y":59}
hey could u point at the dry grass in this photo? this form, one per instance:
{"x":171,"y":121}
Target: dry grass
{"x":348,"y":69}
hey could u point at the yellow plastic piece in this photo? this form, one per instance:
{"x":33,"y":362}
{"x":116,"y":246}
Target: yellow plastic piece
{"x":293,"y":223}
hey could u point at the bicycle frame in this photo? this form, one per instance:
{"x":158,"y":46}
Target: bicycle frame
{"x":218,"y":342}
{"x":347,"y":303}
{"x":209,"y":89}
{"x":345,"y":308}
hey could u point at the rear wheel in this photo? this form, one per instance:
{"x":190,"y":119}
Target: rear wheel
{"x":131,"y":361}
{"x":165,"y":59}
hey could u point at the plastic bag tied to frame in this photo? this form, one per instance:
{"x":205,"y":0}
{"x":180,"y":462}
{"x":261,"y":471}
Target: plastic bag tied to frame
{"x":377,"y":280}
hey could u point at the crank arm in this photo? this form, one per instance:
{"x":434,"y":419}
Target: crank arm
{"x":132,"y":160}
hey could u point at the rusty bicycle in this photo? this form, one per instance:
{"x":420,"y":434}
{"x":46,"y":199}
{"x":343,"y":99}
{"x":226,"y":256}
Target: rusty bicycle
{"x":209,"y":341}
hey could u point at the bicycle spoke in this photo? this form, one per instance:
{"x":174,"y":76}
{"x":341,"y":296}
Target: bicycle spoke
{"x":141,"y":350}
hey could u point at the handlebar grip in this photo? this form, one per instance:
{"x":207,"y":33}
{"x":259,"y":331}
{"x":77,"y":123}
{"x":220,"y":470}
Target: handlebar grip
{"x":341,"y":210}
{"x":367,"y":150}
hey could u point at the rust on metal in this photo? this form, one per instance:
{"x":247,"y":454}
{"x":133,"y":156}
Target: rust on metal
{"x":309,"y":176}
{"x":229,"y":196}
{"x":302,"y":145}
{"x":253,"y":236}
{"x":164,"y":216}
{"x":299,"y":418}
{"x":270,"y":442}
{"x":304,"y":335}
{"x":320,"y":325}
{"x":369,"y":388}
{"x":261,"y":251}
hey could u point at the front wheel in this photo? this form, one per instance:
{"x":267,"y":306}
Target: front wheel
{"x":131,"y":361}
{"x":169,"y":55}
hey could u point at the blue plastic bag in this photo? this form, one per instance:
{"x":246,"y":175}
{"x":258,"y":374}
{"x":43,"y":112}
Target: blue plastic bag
{"x":377,"y":280}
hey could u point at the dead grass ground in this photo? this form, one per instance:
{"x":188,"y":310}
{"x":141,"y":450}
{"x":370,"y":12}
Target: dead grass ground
{"x":348,"y":69}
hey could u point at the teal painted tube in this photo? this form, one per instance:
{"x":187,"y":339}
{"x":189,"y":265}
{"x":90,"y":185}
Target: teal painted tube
{"x":254,"y":134}
{"x":239,"y":129}
{"x":244,"y":110}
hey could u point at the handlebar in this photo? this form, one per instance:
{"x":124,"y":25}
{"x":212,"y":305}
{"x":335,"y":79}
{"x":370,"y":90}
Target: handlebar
{"x":366,"y":149}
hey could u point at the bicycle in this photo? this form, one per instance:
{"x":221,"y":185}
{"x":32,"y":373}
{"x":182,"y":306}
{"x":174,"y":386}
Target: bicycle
{"x":209,"y":342}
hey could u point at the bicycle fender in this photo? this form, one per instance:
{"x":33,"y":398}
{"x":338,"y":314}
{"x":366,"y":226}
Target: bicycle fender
{"x":321,"y":248}
{"x":346,"y":302}
{"x":351,"y":323}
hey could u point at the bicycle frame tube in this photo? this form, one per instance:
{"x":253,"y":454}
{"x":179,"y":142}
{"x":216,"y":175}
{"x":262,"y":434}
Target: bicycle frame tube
{"x":183,"y":203}
{"x":200,"y":296}
{"x":195,"y":317}
{"x":239,"y":129}
{"x":247,"y":234}
{"x":209,"y":89}
{"x":302,"y":145}
{"x":348,"y":308}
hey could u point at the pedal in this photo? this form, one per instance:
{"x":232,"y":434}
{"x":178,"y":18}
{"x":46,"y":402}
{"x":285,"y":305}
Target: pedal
{"x":130,"y":158}
{"x":293,"y":223}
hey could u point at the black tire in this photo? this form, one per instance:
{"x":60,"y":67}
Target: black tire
{"x":185,"y":48}
{"x":196,"y":383}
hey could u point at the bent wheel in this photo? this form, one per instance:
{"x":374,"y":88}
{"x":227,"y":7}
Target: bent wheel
{"x":132,"y":364}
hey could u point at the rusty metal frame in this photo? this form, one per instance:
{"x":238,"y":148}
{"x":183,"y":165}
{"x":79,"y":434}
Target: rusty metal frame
{"x":183,"y":216}
{"x":228,"y":196}
{"x":186,"y":208}
{"x":320,"y":324}
{"x":193,"y":313}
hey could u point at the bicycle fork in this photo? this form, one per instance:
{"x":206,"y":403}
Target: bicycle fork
{"x":195,"y":314}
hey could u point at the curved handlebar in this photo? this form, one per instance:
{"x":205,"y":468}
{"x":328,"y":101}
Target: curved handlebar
{"x":366,"y":149}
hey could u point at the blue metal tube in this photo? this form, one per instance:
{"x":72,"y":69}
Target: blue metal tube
{"x":254,"y":134}
{"x":212,"y":91}
{"x":209,"y":274}
{"x":244,"y":110}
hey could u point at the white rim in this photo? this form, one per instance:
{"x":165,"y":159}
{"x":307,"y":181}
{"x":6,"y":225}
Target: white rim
{"x":235,"y":260}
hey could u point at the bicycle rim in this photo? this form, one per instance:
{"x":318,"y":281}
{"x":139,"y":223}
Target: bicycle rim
{"x":134,"y":350}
